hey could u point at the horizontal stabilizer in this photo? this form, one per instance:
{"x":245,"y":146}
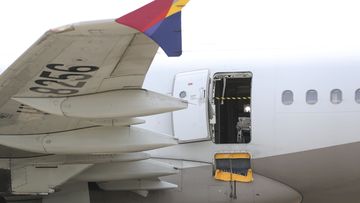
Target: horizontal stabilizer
{"x":161,"y":21}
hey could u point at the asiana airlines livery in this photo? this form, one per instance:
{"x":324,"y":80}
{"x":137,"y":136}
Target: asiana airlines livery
{"x":88,"y":114}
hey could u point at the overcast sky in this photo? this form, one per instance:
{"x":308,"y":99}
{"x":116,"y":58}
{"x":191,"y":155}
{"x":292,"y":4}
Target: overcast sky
{"x":245,"y":25}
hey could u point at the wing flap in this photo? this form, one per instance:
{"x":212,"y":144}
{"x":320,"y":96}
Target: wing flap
{"x":134,"y":185}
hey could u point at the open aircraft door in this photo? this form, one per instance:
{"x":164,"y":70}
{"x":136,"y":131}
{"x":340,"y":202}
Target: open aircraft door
{"x":191,"y":124}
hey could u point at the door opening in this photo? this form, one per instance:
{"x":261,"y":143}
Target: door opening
{"x":232,"y":108}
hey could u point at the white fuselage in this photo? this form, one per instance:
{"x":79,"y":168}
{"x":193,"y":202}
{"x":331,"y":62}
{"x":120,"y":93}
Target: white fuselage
{"x":299,"y":145}
{"x":277,"y":128}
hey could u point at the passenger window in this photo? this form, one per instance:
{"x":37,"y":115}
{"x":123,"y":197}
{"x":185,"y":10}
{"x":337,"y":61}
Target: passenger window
{"x":311,"y":97}
{"x":357,"y":96}
{"x":287,"y":97}
{"x":336,"y":96}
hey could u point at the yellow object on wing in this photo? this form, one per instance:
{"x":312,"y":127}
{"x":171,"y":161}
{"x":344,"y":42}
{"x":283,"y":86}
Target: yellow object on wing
{"x":233,"y":156}
{"x":227,"y":176}
{"x":233,"y":167}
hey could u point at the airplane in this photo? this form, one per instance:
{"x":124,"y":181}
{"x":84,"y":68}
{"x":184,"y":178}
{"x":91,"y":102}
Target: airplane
{"x":93,"y":113}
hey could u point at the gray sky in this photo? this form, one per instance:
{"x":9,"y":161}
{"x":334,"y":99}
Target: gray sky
{"x":243,"y":25}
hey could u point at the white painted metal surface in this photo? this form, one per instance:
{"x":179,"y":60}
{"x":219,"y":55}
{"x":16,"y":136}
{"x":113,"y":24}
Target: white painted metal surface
{"x":126,"y":170}
{"x":112,"y":104}
{"x":278,"y":129}
{"x":138,"y":184}
{"x":55,"y":160}
{"x":104,"y":140}
{"x":76,"y":192}
{"x":33,"y":180}
{"x":192,"y":123}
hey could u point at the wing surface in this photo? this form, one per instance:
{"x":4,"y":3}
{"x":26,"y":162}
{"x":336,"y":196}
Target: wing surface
{"x":85,"y":59}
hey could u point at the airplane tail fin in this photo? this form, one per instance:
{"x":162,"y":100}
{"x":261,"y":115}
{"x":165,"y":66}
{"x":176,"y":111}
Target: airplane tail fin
{"x":161,"y":21}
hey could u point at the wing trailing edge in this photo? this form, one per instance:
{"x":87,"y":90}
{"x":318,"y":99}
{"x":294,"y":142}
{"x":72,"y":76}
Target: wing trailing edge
{"x":161,"y":21}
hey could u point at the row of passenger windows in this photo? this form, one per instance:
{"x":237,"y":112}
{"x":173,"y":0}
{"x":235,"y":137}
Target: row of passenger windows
{"x":336,"y":97}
